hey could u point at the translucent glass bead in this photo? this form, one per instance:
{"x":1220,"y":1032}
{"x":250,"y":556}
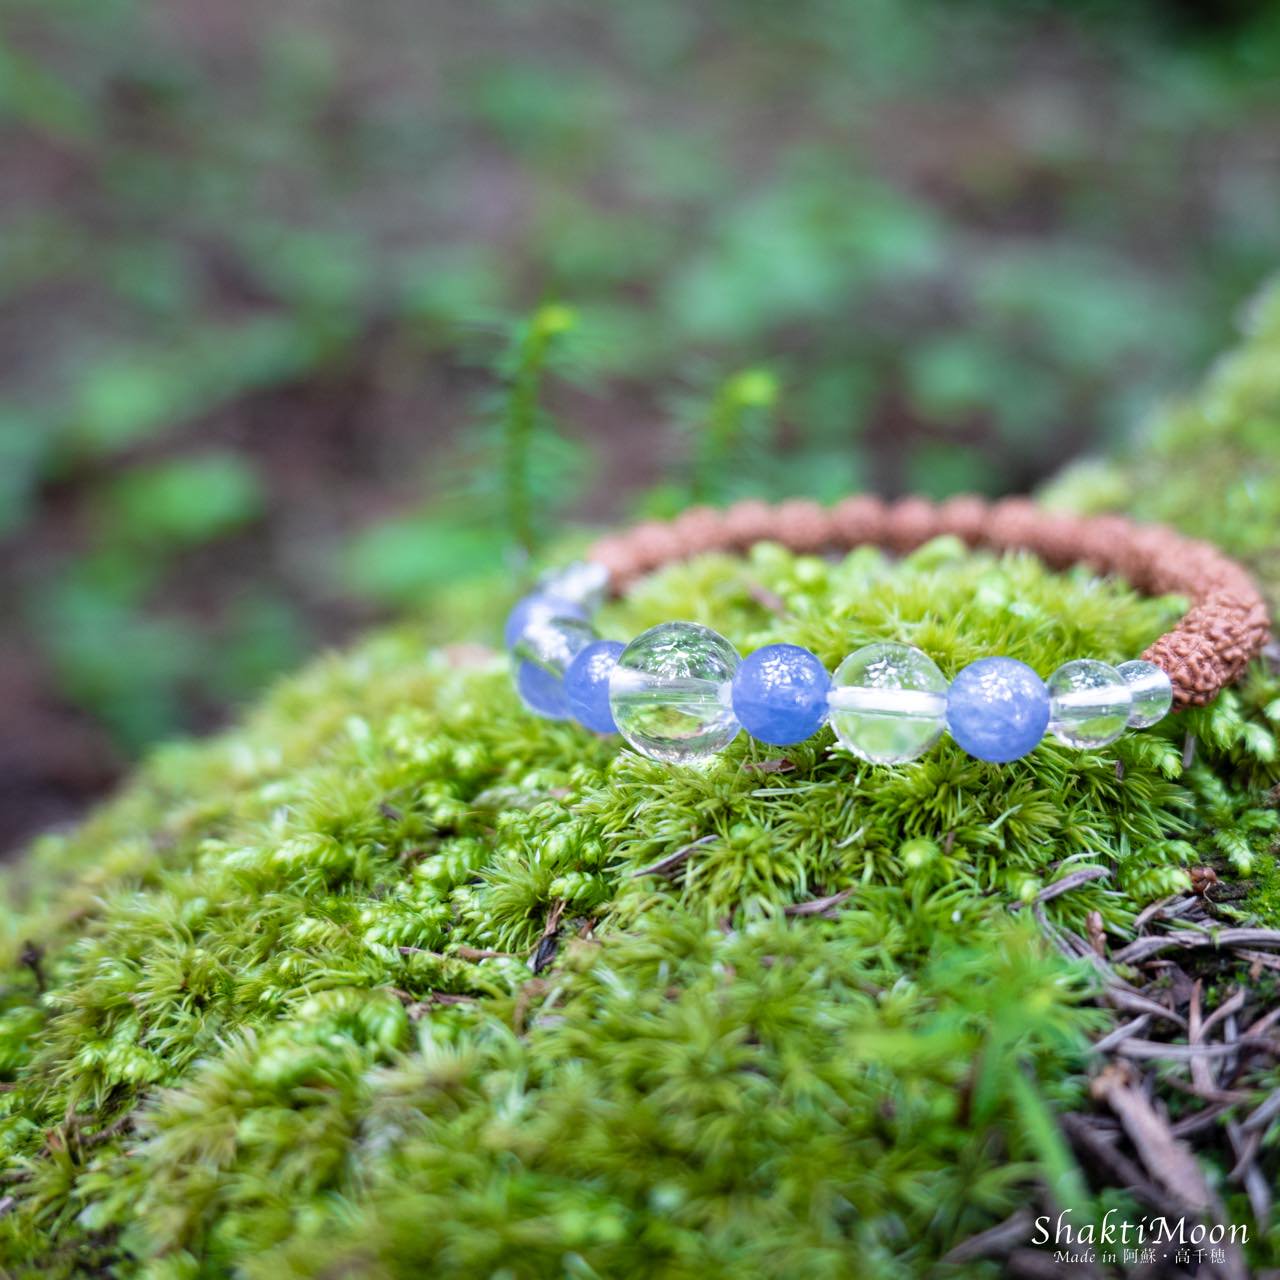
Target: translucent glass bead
{"x":997,"y":709}
{"x":888,"y":702}
{"x":670,"y":693}
{"x":539,"y":607}
{"x":1151,"y":692}
{"x":542,"y":655}
{"x":586,"y":684}
{"x":780,"y":694}
{"x":1089,"y":703}
{"x":542,"y":692}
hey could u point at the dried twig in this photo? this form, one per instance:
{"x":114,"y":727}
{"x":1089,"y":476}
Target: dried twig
{"x":1246,"y":1172}
{"x":995,"y":1242}
{"x":1122,"y":1033}
{"x":419,"y":1008}
{"x":666,"y":865}
{"x":1229,"y":1096}
{"x":549,"y":943}
{"x":1198,"y":1120}
{"x":778,"y":765}
{"x":1135,"y":1048}
{"x":1167,"y":1160}
{"x":1097,"y":931}
{"x":1082,"y":875}
{"x":1124,"y":997}
{"x":1149,"y":911}
{"x":818,"y":906}
{"x":1201,"y":1075}
{"x":1264,"y":1023}
{"x":1183,"y":939}
{"x":1086,"y":1137}
{"x":119,"y":1125}
{"x":1262,"y":959}
{"x":1231,"y":1005}
{"x":1263,"y":1114}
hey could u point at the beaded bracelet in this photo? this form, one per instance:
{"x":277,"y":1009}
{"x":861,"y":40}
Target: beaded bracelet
{"x":681,"y":693}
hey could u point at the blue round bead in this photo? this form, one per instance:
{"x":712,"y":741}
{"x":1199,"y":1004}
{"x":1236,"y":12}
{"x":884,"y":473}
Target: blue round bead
{"x":997,"y":709}
{"x":586,"y":684}
{"x":537,"y":608}
{"x":542,"y":691}
{"x":780,"y":694}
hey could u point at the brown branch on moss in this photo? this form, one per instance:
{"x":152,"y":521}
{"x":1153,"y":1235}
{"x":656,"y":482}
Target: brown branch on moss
{"x":818,"y":906}
{"x":545,"y":952}
{"x":665,"y":866}
{"x":1144,"y":948}
{"x":1084,"y":875}
{"x":1168,"y":1161}
{"x":995,"y":1242}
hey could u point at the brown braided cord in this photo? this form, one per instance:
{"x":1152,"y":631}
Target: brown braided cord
{"x":1226,"y":626}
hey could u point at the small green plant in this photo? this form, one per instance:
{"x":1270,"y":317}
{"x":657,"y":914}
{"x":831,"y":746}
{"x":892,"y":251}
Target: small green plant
{"x":524,"y":423}
{"x":733,"y":433}
{"x":491,"y":503}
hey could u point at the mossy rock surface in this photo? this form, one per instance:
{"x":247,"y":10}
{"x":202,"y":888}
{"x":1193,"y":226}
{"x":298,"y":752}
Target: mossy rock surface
{"x":386,"y":983}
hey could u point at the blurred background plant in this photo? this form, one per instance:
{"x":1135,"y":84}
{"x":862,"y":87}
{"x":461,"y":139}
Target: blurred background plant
{"x":306,"y":311}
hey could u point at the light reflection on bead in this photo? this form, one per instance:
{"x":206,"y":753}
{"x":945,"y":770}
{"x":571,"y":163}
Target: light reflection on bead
{"x":997,"y":709}
{"x":888,"y":702}
{"x":670,"y":693}
{"x":539,"y":607}
{"x":780,"y":694}
{"x":1089,"y":704}
{"x":1151,"y":691}
{"x":542,"y":654}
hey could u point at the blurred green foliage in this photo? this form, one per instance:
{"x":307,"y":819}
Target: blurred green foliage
{"x":271,"y":284}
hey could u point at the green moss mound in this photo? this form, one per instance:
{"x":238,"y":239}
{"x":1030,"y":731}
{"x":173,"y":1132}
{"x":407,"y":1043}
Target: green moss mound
{"x":396,"y":980}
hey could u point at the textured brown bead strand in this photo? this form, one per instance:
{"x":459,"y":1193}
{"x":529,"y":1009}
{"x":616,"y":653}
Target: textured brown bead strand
{"x":1226,"y":625}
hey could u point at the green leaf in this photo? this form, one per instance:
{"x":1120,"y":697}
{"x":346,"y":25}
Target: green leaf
{"x":185,"y":502}
{"x":398,"y":560}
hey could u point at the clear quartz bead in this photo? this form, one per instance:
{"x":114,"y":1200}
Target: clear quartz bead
{"x":541,"y":655}
{"x":1151,"y":690}
{"x":671,"y":693}
{"x":1089,"y":703}
{"x":888,"y":702}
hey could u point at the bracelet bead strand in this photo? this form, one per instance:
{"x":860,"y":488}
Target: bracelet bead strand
{"x":681,"y":693}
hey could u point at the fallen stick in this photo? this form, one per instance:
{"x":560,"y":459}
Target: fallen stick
{"x":995,"y":1242}
{"x":1073,"y":881}
{"x":817,"y":906}
{"x":666,"y":865}
{"x":1136,"y":1048}
{"x":1142,"y":948}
